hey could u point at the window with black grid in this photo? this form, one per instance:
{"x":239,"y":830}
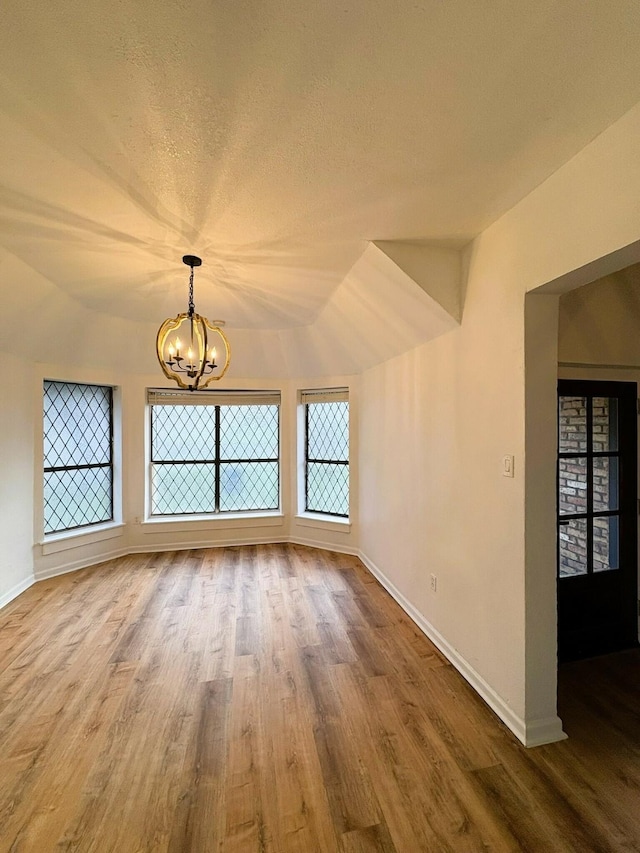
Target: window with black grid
{"x":214,"y":458}
{"x":78,"y":455}
{"x":326,"y":452}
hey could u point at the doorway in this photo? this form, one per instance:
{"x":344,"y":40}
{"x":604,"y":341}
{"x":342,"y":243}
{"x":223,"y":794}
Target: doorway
{"x":597,"y":572}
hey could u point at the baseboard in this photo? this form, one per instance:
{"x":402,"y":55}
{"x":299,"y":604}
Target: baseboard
{"x":16,"y":590}
{"x":324,"y":546}
{"x":149,"y":548}
{"x":156,"y":548}
{"x":534,"y":733}
{"x":83,"y":563}
{"x":548,"y":730}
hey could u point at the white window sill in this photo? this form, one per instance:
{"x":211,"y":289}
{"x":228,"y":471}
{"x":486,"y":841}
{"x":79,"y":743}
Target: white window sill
{"x":53,"y":543}
{"x":323,"y":522}
{"x":187,"y":523}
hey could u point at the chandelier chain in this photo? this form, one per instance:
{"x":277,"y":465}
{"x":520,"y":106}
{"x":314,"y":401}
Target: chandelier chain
{"x":192,"y":306}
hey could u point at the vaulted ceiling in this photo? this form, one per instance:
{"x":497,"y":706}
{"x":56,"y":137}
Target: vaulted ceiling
{"x":277,"y":139}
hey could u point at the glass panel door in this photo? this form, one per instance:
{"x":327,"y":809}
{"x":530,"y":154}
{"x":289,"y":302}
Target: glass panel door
{"x":597,"y":517}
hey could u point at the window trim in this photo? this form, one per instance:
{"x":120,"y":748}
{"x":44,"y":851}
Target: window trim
{"x":53,"y":543}
{"x":106,"y":523}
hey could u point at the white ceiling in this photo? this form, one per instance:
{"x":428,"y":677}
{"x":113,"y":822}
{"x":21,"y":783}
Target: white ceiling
{"x":275,"y":138}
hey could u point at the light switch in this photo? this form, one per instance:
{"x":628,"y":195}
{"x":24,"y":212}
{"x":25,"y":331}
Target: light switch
{"x":507,"y":466}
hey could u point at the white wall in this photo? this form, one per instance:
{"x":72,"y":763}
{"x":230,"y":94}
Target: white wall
{"x":436,"y":422}
{"x":600,"y":322}
{"x":16,"y":479}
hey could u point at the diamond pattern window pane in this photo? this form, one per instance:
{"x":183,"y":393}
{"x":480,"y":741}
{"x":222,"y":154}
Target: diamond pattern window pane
{"x":183,"y":433}
{"x":183,"y":488}
{"x":328,"y":444}
{"x":78,"y":474}
{"x":248,"y":486}
{"x":328,"y":431}
{"x":249,"y":432}
{"x":77,"y":424}
{"x":328,"y":488}
{"x":184,"y":440}
{"x":77,"y":497}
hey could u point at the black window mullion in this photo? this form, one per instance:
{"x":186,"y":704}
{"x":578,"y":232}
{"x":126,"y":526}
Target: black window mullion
{"x":184,"y":462}
{"x":217,"y":460}
{"x":614,"y":486}
{"x":306,"y":457}
{"x":576,"y":516}
{"x":86,"y":467}
{"x":111,"y":439}
{"x":589,"y":485}
{"x":240,"y":461}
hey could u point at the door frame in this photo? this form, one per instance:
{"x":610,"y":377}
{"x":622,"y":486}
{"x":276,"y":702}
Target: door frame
{"x":587,"y":602}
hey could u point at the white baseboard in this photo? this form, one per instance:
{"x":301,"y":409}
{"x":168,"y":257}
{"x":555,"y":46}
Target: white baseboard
{"x":16,"y":590}
{"x":548,"y":730}
{"x":148,"y":548}
{"x":245,"y":540}
{"x":325,"y":546}
{"x":82,"y":563}
{"x":156,"y":548}
{"x":534,"y":733}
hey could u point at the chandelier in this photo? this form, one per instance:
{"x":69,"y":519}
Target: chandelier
{"x":191,"y":350}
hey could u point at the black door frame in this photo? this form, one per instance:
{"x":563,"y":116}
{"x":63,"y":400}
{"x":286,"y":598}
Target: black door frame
{"x":598,"y":611}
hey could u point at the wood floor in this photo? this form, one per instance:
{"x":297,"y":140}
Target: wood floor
{"x":275,"y":698}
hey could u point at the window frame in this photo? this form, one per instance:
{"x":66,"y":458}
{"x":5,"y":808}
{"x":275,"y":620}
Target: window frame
{"x":110,"y":465}
{"x":216,"y":400}
{"x":324,"y":395}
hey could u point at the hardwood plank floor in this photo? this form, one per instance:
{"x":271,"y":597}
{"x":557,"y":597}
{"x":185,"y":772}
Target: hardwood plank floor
{"x":275,"y":699}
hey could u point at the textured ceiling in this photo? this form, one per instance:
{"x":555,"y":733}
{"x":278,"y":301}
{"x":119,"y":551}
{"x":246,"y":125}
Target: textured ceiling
{"x":276,"y":137}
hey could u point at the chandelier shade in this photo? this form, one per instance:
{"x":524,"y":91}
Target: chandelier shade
{"x":192,"y":351}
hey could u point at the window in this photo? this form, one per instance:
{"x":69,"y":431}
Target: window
{"x":78,"y":455}
{"x":214,"y":452}
{"x":326,"y":417}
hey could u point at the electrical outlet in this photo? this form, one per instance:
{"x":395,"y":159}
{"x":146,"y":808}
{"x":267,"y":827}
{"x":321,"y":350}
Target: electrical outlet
{"x":434,"y":583}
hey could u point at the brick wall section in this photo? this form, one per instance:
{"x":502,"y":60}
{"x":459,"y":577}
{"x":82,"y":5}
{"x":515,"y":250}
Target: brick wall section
{"x":572,"y":483}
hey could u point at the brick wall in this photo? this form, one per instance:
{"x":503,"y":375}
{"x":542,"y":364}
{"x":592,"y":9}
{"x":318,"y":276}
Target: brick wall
{"x":572,"y":482}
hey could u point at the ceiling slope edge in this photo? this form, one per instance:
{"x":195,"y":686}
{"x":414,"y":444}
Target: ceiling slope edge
{"x":437,"y":270}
